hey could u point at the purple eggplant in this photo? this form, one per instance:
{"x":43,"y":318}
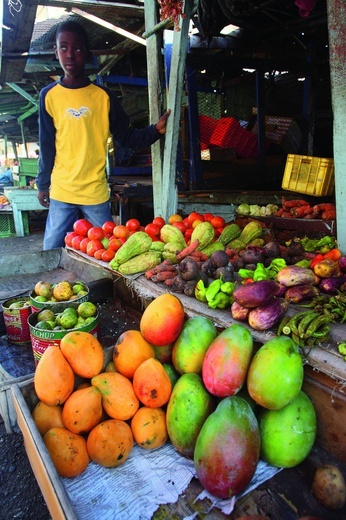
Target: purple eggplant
{"x":265,"y":317}
{"x":300,"y":293}
{"x":255,"y":294}
{"x":239,"y":312}
{"x":332,"y":284}
{"x":342,"y":264}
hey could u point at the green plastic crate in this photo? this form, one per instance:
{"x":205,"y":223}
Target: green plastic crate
{"x":7,"y":228}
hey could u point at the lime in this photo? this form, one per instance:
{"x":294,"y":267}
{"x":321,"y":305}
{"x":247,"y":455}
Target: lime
{"x":87,"y":309}
{"x":77,"y":288}
{"x":46,"y":315}
{"x":40,"y":299}
{"x":70,"y":310}
{"x":57,"y":318}
{"x":82,"y":293}
{"x":19,"y":305}
{"x":80,"y":321}
{"x":51,"y":323}
{"x":68,"y":320}
{"x":44,"y":325}
{"x":89,"y":320}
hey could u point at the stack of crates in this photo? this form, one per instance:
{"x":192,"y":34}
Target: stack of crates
{"x":309,"y":175}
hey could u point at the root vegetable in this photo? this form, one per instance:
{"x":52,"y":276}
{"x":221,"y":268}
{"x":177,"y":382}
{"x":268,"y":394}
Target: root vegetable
{"x":329,"y":487}
{"x":188,"y":269}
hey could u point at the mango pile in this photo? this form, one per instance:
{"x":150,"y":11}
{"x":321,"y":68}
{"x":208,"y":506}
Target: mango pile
{"x":218,"y":400}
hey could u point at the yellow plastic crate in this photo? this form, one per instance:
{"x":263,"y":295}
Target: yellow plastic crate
{"x":309,"y":175}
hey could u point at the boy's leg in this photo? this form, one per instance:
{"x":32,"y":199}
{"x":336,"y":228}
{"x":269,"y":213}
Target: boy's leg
{"x":97,"y":214}
{"x":60,"y":220}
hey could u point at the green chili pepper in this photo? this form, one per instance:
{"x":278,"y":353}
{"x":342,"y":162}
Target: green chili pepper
{"x":220,"y":301}
{"x":260,"y":273}
{"x":213,"y":289}
{"x":303,"y":263}
{"x":200,"y":291}
{"x":246,"y":273}
{"x":228,"y":288}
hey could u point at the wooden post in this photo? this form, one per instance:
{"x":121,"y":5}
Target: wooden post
{"x":154,"y":71}
{"x":337,"y":36}
{"x":176,"y":80}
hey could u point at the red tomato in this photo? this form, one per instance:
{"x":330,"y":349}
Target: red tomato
{"x":93,"y":246}
{"x":217,"y":232}
{"x":114,"y":244}
{"x":217,"y":222}
{"x":82,"y":226}
{"x":133,"y":224}
{"x":159,"y":221}
{"x":208,"y":217}
{"x":141,"y":228}
{"x":121,"y":231}
{"x":96,"y":233}
{"x":108,"y":227}
{"x":180,"y":225}
{"x":108,"y":255}
{"x":152,"y":230}
{"x":187,"y":223}
{"x":83,"y":244}
{"x":188,"y":233}
{"x":195,"y":216}
{"x":196,"y":222}
{"x":76,"y":241}
{"x":122,"y":240}
{"x":68,"y":238}
{"x":98,"y":254}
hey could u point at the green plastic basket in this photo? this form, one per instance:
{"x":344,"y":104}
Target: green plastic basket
{"x":7,"y":227}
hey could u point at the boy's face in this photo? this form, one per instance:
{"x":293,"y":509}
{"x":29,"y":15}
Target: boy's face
{"x":72,"y":54}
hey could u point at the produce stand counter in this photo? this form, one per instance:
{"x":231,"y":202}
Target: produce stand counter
{"x":325,"y":367}
{"x":324,"y":382}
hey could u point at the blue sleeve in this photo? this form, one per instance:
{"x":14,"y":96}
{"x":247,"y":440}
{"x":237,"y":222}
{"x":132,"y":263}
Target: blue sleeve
{"x":46,"y":134}
{"x":124,"y":133}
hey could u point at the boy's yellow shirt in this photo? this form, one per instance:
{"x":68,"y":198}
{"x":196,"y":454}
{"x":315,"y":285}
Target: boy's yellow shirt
{"x":81,"y":121}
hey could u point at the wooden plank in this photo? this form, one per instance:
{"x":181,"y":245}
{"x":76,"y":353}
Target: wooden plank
{"x":180,"y":38}
{"x":154,"y":71}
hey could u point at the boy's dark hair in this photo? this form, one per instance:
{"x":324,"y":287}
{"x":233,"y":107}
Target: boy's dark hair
{"x":74,"y":27}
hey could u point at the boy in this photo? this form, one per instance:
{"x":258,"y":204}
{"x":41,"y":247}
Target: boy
{"x":76,"y":117}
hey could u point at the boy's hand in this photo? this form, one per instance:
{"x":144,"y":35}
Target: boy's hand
{"x":161,"y":124}
{"x":43,"y":198}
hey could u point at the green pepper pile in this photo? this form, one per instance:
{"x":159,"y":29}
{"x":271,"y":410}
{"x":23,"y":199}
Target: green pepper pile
{"x":263,"y":273}
{"x":306,"y":328}
{"x":218,"y":294}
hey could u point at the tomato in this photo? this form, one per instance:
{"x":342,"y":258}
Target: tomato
{"x":175,"y":218}
{"x":122,"y":240}
{"x":82,"y":226}
{"x":96,"y":233}
{"x":114,"y":244}
{"x":108,"y":227}
{"x":152,"y":230}
{"x":83,"y":244}
{"x":133,"y":224}
{"x":180,"y":225}
{"x":195,"y":216}
{"x":141,"y":228}
{"x":93,"y":246}
{"x":196,"y":222}
{"x":98,"y":254}
{"x":121,"y":231}
{"x":208,"y":217}
{"x":217,"y":232}
{"x":68,"y":238}
{"x":108,"y":255}
{"x":188,"y":233}
{"x":159,"y":221}
{"x":218,"y":222}
{"x":187,"y":223}
{"x":76,"y":241}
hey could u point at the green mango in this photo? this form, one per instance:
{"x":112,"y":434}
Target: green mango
{"x":187,"y":409}
{"x":276,"y":373}
{"x":227,"y":448}
{"x":192,"y":344}
{"x":288,"y":434}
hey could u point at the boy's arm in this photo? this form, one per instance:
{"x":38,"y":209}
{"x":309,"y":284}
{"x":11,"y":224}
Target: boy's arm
{"x":130,"y":137}
{"x":47,"y":149}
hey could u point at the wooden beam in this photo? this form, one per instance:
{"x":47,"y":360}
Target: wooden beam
{"x":337,"y":46}
{"x":154,"y":68}
{"x":175,"y":86}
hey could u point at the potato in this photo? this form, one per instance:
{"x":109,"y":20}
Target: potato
{"x":329,"y":487}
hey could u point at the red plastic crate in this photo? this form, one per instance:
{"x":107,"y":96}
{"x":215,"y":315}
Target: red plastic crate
{"x":225,"y":133}
{"x":207,"y":126}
